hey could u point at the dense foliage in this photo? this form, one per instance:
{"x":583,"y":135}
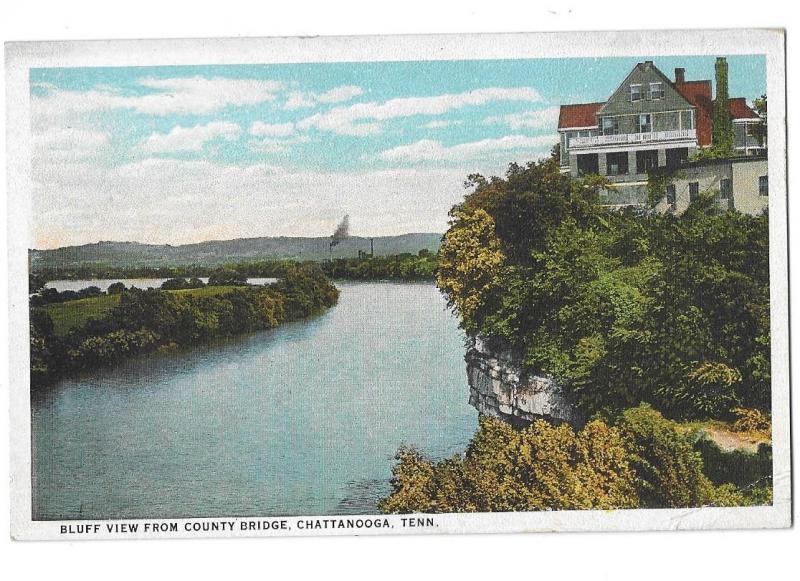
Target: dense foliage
{"x":409,"y":267}
{"x":642,"y":461}
{"x":146,"y":320}
{"x":420,"y":266}
{"x":622,"y":307}
{"x":47,"y":296}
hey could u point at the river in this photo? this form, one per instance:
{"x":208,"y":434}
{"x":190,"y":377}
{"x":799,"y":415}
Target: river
{"x":304,"y":419}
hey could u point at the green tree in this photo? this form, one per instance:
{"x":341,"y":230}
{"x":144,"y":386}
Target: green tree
{"x":470,"y":260}
{"x":759,"y":130}
{"x":115,"y":288}
{"x":542,"y":467}
{"x":227,"y":277}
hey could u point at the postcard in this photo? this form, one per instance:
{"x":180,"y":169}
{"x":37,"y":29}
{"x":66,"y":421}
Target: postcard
{"x":398,"y":285}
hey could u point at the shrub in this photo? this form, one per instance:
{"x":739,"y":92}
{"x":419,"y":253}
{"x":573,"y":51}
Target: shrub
{"x":542,"y":467}
{"x":644,"y":461}
{"x":669,"y":471}
{"x":227,"y":277}
{"x":751,"y":420}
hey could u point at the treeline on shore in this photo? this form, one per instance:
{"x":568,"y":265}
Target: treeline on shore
{"x":148,"y":320}
{"x":650,"y":321}
{"x":406,"y":267}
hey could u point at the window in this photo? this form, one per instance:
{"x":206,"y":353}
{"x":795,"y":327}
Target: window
{"x":725,"y":188}
{"x":610,"y":125}
{"x":617,"y":163}
{"x":646,"y":160}
{"x":671,"y":195}
{"x":636,"y":93}
{"x":588,"y":163}
{"x":687,"y":120}
{"x":763,"y":186}
{"x":656,"y":91}
{"x":645,"y":123}
{"x":694,"y":191}
{"x":676,"y":156}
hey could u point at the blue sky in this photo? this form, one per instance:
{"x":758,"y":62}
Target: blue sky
{"x":182,"y":154}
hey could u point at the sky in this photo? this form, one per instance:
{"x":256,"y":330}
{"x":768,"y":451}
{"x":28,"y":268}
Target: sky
{"x":190,"y":153}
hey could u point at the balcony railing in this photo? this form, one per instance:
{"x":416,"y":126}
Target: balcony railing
{"x":632,"y":138}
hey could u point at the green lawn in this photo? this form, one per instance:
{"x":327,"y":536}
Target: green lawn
{"x":71,"y":314}
{"x":206,"y":291}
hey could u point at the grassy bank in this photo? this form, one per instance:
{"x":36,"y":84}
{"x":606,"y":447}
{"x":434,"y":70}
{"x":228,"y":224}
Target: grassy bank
{"x":70,"y":315}
{"x":100,"y":330}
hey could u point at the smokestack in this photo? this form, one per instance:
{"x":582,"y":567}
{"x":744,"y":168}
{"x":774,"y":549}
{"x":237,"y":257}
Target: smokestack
{"x":680,"y":75}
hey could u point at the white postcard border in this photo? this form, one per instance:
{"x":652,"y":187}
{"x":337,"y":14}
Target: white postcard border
{"x":20,"y":57}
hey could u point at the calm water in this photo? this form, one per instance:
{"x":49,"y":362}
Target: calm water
{"x":143,"y":283}
{"x":304,"y":419}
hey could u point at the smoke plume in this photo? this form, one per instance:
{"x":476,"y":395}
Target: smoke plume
{"x":342,"y":231}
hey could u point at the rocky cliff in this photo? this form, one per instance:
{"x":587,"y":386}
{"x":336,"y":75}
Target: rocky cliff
{"x":499,"y":386}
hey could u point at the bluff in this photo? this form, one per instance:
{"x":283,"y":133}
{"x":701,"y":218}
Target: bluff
{"x":501,"y":387}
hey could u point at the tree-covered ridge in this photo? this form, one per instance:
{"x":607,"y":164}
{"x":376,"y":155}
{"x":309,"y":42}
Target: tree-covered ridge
{"x":621,"y":307}
{"x":147,"y":320}
{"x":405,"y":266}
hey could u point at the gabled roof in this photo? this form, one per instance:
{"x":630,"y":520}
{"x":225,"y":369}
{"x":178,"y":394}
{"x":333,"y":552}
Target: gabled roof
{"x":698,"y":93}
{"x":642,"y":71}
{"x":740,"y":109}
{"x":580,"y":115}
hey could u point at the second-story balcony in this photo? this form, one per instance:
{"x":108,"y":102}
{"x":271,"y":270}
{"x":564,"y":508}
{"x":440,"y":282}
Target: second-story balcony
{"x":624,"y":139}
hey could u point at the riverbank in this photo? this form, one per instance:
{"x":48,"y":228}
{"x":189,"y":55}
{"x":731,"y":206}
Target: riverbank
{"x":97,"y":331}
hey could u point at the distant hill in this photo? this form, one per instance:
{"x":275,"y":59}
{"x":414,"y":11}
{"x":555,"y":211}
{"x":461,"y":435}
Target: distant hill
{"x":212,"y":252}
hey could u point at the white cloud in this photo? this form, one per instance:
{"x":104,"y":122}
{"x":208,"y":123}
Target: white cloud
{"x":537,"y":119}
{"x":306,"y":99}
{"x":432,"y":150}
{"x":179,"y":201}
{"x":261,"y":129}
{"x":190,"y":138}
{"x":69,"y":143}
{"x":182,"y":95}
{"x":364,"y":118}
{"x":339,"y":94}
{"x":276,"y":145}
{"x":441,"y":124}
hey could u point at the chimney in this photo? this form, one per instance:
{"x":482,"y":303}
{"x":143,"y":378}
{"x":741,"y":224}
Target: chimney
{"x":648,"y":64}
{"x":721,"y":127}
{"x":680,"y":76}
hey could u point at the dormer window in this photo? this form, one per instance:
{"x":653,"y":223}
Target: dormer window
{"x":636,"y":93}
{"x":656,"y":91}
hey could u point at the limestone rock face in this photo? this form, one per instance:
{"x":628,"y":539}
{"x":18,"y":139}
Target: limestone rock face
{"x":500,"y":387}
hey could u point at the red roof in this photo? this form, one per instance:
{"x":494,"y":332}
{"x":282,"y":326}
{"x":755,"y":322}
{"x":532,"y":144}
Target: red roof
{"x":740,"y":110}
{"x":581,"y":115}
{"x":698,"y":93}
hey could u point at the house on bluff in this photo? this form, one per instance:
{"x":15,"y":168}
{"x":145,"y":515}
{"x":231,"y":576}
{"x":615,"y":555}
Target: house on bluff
{"x":652,"y":123}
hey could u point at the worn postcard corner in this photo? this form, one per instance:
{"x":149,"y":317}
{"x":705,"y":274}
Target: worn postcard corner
{"x":398,"y":285}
